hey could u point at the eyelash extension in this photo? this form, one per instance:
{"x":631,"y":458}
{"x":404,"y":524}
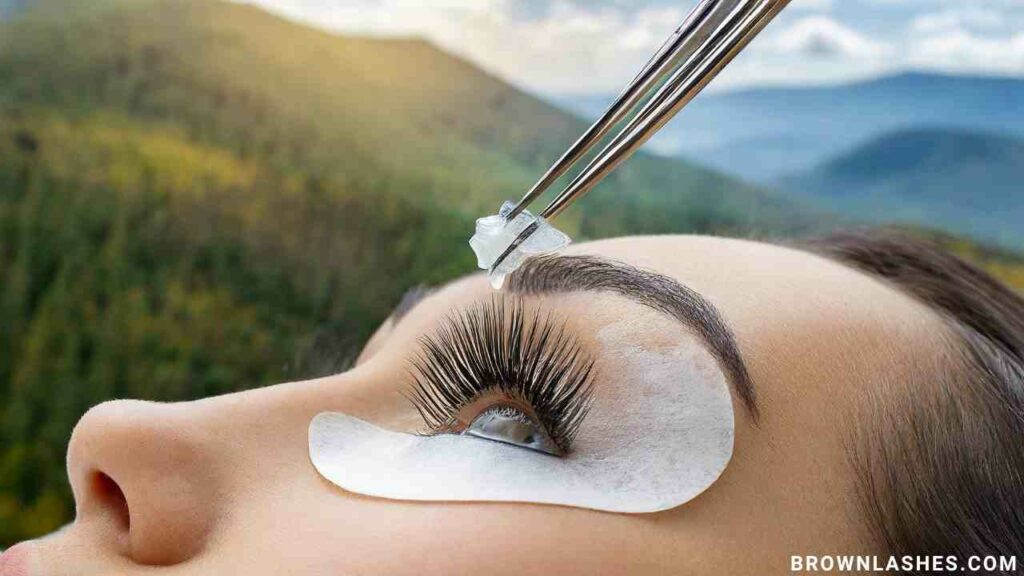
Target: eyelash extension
{"x":498,"y":346}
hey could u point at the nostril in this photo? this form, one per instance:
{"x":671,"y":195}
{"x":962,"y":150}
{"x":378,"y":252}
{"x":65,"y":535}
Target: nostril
{"x":145,"y":485}
{"x":112,"y":499}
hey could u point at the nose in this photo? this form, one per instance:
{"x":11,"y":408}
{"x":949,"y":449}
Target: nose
{"x":145,"y":474}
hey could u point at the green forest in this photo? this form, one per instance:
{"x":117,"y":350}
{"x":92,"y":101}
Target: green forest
{"x":197,"y":197}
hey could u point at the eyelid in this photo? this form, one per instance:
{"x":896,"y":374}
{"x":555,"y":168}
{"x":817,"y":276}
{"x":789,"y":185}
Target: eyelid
{"x":498,"y":346}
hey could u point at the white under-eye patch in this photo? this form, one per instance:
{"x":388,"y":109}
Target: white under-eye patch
{"x":659,"y":433}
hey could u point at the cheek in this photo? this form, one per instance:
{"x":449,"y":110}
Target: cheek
{"x":512,"y":539}
{"x":345,"y":535}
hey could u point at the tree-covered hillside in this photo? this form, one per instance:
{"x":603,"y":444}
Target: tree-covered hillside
{"x":356,"y":109}
{"x":197,"y":197}
{"x":136,"y":263}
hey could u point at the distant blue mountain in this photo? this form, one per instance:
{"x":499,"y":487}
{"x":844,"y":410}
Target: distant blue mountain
{"x":964,"y":181}
{"x":9,"y":8}
{"x":763,"y":134}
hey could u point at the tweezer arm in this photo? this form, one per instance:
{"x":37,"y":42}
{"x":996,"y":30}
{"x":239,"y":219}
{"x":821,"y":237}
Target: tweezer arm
{"x":667,"y":57}
{"x":735,"y":24}
{"x":712,"y":35}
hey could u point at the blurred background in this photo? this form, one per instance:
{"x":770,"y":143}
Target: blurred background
{"x":203,"y":196}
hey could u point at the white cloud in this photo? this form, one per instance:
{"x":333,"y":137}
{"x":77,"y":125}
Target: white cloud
{"x":964,"y":51}
{"x":810,"y":5}
{"x":977,"y":38}
{"x":590,"y":46}
{"x":572,"y":47}
{"x":823,"y":37}
{"x":955,"y":19}
{"x":387,"y":17}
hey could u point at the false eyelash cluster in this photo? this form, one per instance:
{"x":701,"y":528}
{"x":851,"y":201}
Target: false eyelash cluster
{"x":498,"y":346}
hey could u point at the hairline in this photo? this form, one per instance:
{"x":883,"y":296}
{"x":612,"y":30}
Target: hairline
{"x":918,"y":455}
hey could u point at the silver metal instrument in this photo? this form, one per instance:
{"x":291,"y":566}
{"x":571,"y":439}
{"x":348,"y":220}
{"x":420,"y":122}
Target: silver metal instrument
{"x":710,"y":37}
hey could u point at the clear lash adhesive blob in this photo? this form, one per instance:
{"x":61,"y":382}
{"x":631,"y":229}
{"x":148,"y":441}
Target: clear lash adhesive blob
{"x":494,"y":235}
{"x":659,"y":433}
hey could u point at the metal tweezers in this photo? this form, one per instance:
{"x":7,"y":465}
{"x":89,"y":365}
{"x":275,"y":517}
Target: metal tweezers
{"x":710,"y":37}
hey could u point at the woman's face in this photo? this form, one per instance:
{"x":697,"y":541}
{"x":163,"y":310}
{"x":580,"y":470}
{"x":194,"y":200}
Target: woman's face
{"x":225,"y":485}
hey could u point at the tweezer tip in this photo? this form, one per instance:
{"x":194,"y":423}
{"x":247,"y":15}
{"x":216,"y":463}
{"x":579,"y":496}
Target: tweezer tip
{"x":514,"y":245}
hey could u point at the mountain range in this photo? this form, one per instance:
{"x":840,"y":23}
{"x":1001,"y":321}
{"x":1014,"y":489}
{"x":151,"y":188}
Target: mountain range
{"x":765,"y":133}
{"x":9,"y":8}
{"x":965,"y":181}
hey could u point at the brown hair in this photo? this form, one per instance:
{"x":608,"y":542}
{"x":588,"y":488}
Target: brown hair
{"x":941,"y":471}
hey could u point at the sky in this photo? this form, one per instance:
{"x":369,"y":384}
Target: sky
{"x":597,"y":46}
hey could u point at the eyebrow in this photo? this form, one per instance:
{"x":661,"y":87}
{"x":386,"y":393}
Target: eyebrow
{"x":409,"y":300}
{"x":569,"y":274}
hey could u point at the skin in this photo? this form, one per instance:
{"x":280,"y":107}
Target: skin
{"x":225,"y":486}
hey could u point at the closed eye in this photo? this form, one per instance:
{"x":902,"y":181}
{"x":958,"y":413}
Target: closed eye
{"x":500,"y":373}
